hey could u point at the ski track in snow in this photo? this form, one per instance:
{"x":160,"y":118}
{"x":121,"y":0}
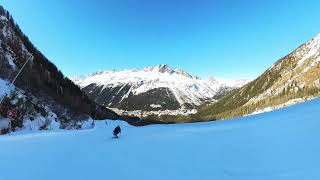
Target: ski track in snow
{"x":277,"y":145}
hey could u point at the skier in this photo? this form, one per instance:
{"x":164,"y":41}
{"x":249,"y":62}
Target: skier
{"x":116,"y":131}
{"x":93,"y":124}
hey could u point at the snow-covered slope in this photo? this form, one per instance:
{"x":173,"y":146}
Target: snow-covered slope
{"x":155,"y":88}
{"x":32,"y":114}
{"x":280,"y":145}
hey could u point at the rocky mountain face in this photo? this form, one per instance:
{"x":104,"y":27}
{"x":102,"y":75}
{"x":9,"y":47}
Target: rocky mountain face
{"x":40,"y":82}
{"x":154,"y":90}
{"x":294,"y":78}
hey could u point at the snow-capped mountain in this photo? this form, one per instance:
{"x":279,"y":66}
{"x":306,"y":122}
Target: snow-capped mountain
{"x":153,"y":89}
{"x":294,"y":78}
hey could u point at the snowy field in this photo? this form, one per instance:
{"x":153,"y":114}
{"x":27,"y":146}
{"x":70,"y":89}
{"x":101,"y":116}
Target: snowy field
{"x":283,"y":144}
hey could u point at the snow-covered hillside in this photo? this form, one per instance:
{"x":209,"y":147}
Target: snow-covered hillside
{"x":299,"y":70}
{"x":295,"y":76}
{"x":279,"y":145}
{"x":39,"y":84}
{"x":162,"y":84}
{"x":32,"y":114}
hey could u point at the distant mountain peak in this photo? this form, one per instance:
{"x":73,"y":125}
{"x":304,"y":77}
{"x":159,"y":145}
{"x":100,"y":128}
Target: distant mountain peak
{"x":165,"y":68}
{"x":213,"y":80}
{"x":153,"y":88}
{"x":161,"y":68}
{"x":317,"y":37}
{"x":314,"y":43}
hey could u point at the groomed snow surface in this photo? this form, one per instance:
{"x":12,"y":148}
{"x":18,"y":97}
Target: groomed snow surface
{"x":283,"y":144}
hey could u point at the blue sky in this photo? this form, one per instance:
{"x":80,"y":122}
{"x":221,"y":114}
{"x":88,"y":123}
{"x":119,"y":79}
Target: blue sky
{"x":224,"y":38}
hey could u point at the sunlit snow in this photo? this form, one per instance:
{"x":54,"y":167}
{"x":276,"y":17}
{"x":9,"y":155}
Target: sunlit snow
{"x":277,"y":145}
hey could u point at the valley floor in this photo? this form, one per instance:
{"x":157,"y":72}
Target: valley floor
{"x":282,"y":144}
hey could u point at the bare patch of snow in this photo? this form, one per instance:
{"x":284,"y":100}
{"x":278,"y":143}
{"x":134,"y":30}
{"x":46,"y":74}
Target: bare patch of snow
{"x":288,"y":103}
{"x":4,"y":123}
{"x":5,"y":88}
{"x":308,"y":50}
{"x":10,"y":60}
{"x":3,"y":18}
{"x":155,"y":105}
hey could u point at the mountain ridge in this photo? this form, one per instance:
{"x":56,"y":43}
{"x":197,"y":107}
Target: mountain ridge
{"x":295,"y":76}
{"x":162,"y":84}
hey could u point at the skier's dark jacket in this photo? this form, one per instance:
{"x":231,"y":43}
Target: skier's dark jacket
{"x":116,"y":130}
